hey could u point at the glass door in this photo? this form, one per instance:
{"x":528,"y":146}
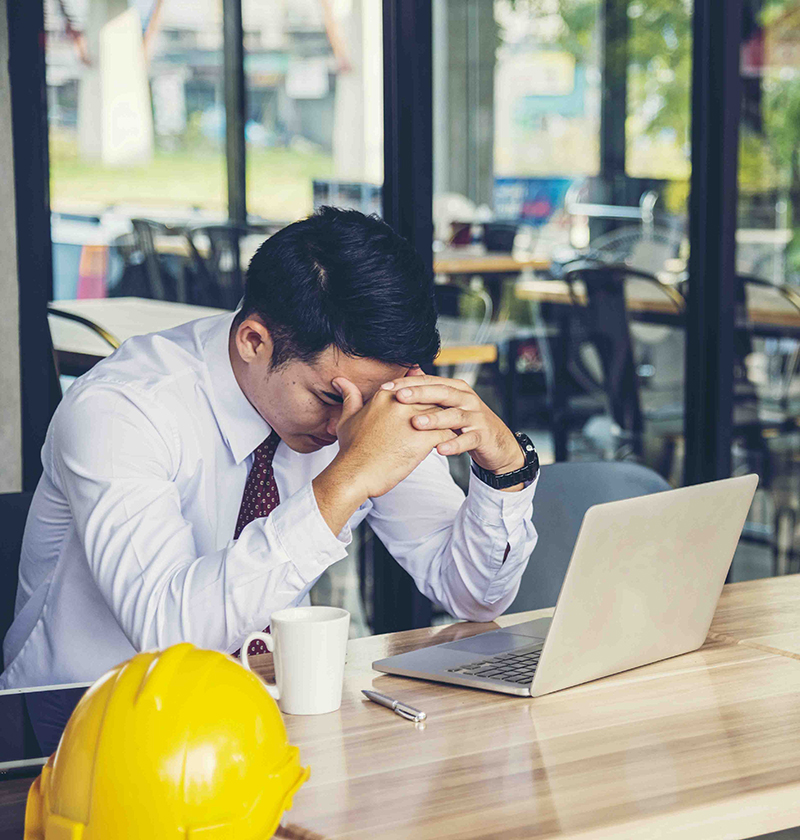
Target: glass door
{"x":767,"y":337}
{"x":561,"y":141}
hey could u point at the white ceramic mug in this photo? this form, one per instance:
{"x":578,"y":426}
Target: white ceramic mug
{"x":309,"y":645}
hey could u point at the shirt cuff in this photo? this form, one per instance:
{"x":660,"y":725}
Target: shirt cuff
{"x":490,"y":505}
{"x":305,"y":536}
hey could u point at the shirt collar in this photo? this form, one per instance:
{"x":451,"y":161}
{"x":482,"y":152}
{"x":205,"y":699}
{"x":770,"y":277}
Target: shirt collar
{"x":241,"y":425}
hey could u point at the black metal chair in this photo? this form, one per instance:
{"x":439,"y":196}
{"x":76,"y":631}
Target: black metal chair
{"x":70,"y":364}
{"x":13,"y":515}
{"x":146,"y":272}
{"x":597,"y":368}
{"x":766,"y":424}
{"x":216,"y":260}
{"x":465,"y":316}
{"x":108,"y":337}
{"x":645,"y":247}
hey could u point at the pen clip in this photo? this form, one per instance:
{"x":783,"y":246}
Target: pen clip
{"x":403,"y":712}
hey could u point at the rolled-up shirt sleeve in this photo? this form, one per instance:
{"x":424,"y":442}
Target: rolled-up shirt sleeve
{"x":119,"y":482}
{"x":466,"y":553}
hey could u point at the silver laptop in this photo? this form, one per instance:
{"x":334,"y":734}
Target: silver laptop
{"x":642,"y":585}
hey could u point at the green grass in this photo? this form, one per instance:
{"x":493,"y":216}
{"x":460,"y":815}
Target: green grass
{"x":279,"y":180}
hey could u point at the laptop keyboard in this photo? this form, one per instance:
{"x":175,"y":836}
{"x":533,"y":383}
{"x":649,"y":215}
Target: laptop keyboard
{"x":515,"y":667}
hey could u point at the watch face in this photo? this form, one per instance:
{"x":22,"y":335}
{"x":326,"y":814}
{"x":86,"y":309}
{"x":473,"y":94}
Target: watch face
{"x":528,"y":448}
{"x":526,"y":473}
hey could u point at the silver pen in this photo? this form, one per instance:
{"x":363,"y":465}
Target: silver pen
{"x":408,"y":712}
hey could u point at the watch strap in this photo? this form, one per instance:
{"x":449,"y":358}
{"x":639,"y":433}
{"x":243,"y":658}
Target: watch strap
{"x":510,"y":479}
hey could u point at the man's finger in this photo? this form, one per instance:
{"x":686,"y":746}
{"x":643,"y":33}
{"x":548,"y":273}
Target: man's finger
{"x":424,"y":379}
{"x":448,"y":418}
{"x":438,"y":395}
{"x":463,"y":443}
{"x":439,"y":436}
{"x":353,"y":401}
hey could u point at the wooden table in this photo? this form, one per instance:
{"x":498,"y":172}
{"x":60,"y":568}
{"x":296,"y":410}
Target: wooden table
{"x":476,"y":260}
{"x":496,"y":270}
{"x":648,"y":298}
{"x":705,"y":745}
{"x":763,"y":311}
{"x":78,"y":348}
{"x":761,"y":614}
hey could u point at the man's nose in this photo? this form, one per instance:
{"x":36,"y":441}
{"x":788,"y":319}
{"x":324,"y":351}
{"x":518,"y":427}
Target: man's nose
{"x":333,"y":421}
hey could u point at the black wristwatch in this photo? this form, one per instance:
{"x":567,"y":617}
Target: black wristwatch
{"x":526,"y":473}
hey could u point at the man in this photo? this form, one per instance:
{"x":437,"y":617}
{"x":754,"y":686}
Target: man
{"x":203,"y":477}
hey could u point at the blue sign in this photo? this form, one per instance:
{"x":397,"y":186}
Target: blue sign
{"x":529,"y":200}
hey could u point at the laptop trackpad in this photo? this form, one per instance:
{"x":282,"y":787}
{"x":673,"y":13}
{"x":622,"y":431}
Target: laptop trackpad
{"x":492,"y":642}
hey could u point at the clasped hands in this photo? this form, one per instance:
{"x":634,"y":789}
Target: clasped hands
{"x":456,"y":407}
{"x":446,"y":414}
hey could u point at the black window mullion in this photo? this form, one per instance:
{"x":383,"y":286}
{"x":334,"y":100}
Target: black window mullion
{"x":408,"y":122}
{"x":39,"y":385}
{"x":397,"y":604}
{"x":716,"y":97}
{"x":235,"y":110}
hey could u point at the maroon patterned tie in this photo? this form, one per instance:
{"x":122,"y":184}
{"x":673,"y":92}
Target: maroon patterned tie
{"x":260,"y":495}
{"x":259,"y":499}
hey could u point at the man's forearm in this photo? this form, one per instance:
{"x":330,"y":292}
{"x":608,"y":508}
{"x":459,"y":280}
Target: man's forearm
{"x":338,"y":497}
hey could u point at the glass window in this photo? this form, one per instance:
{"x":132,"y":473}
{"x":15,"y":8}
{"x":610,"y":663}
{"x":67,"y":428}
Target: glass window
{"x":767,"y":330}
{"x":314,"y":133}
{"x":314,"y":130}
{"x":136,"y":111}
{"x":561,"y":132}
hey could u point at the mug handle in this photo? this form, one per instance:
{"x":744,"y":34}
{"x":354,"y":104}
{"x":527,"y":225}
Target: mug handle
{"x":268,"y":641}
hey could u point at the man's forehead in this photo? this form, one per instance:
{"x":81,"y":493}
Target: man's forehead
{"x":367,"y":374}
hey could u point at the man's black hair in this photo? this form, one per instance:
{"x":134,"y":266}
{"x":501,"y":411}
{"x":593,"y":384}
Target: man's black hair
{"x":345,"y":279}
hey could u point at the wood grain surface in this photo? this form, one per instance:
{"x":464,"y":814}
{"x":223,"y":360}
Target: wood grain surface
{"x":762,"y":614}
{"x":763,"y":312}
{"x":704,"y":745}
{"x":479,"y":261}
{"x":13,"y":795}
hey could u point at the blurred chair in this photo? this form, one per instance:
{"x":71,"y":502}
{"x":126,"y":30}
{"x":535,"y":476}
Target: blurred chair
{"x":564,"y":493}
{"x":146,"y":272}
{"x":390,"y":597}
{"x":645,"y":247}
{"x":13,"y":515}
{"x":71,"y":364}
{"x":465,"y":316}
{"x":766,"y":426}
{"x":768,"y":361}
{"x":601,"y":355}
{"x":216,"y":260}
{"x":762,"y":252}
{"x":499,"y":236}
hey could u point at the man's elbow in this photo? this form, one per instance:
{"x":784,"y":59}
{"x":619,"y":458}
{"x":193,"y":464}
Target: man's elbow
{"x":480,"y":611}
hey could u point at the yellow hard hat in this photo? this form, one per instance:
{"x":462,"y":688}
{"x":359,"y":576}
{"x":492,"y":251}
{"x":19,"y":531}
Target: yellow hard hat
{"x":180,"y":744}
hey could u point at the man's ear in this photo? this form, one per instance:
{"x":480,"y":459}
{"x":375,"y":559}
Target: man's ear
{"x":253,"y":341}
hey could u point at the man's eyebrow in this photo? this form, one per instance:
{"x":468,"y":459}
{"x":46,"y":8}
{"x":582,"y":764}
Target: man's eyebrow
{"x":333,"y":396}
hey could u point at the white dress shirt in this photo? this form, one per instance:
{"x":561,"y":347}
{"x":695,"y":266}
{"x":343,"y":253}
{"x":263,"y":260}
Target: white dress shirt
{"x":129,"y":543}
